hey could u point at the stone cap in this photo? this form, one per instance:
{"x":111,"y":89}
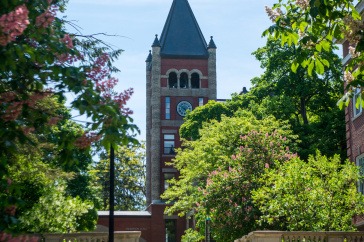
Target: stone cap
{"x":126,"y":213}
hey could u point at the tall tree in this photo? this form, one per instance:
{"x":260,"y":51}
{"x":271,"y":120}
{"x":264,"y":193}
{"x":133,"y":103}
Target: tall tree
{"x":307,"y":102}
{"x":129,"y":178}
{"x":316,"y":25}
{"x":317,"y":195}
{"x":38,"y":172}
{"x":39,"y":59}
{"x":218,"y":142}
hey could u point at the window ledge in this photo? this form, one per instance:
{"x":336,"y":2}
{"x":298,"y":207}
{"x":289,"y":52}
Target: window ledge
{"x":357,"y":116}
{"x":166,"y":155}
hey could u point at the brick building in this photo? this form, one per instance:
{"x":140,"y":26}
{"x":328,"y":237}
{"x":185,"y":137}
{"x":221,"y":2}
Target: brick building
{"x":180,"y":75}
{"x":354,"y":120}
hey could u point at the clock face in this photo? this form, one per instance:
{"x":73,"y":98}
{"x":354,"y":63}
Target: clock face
{"x":182,"y":108}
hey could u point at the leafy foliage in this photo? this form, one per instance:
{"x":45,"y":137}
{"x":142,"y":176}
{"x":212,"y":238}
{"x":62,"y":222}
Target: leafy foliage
{"x":318,"y":195}
{"x":39,"y":63}
{"x":308,"y":103}
{"x":213,"y":150}
{"x":129,"y":178}
{"x":54,"y":213}
{"x":314,"y":26}
{"x":227,"y":197}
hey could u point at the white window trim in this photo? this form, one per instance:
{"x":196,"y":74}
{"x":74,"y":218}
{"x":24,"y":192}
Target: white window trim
{"x":357,"y":92}
{"x":360,"y":184}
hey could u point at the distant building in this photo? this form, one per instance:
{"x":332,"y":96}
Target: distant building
{"x":180,"y":76}
{"x":354,"y":119}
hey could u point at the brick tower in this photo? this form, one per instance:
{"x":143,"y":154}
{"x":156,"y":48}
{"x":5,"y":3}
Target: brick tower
{"x":180,"y":75}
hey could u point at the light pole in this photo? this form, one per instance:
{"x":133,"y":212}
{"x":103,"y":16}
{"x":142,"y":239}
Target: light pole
{"x":207,"y":230}
{"x":111,"y":199}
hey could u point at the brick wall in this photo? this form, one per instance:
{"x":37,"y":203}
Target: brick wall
{"x":179,"y":64}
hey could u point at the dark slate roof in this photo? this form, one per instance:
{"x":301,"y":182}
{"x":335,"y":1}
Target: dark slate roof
{"x":212,"y":44}
{"x":149,"y":58}
{"x":156,"y":41}
{"x":181,"y":36}
{"x":244,"y":91}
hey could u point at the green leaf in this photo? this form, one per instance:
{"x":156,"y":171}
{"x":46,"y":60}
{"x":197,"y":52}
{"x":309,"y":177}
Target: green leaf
{"x":319,"y":67}
{"x":303,"y":26}
{"x":294,"y":66}
{"x":341,"y":104}
{"x":318,"y":47}
{"x":295,"y":38}
{"x":355,"y":15}
{"x":325,"y":45}
{"x":283,"y":39}
{"x":325,"y":62}
{"x":310,"y":67}
{"x":305,"y":63}
{"x":358,"y":102}
{"x":294,"y":25}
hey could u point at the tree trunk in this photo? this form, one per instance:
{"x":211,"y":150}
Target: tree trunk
{"x":303,"y":111}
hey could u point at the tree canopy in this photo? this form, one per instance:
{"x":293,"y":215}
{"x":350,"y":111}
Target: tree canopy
{"x":316,"y":26}
{"x":40,"y":63}
{"x":307,"y":102}
{"x":129,"y":178}
{"x":218,"y":142}
{"x":318,"y":195}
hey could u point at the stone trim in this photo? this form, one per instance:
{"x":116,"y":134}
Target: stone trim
{"x":180,"y":92}
{"x":170,"y":170}
{"x":346,"y":59}
{"x":169,"y":131}
{"x":170,"y":216}
{"x":172,"y":123}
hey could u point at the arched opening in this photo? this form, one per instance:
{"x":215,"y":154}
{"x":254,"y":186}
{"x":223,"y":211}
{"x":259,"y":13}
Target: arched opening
{"x":195,"y":80}
{"x":172,"y":80}
{"x":183,"y":81}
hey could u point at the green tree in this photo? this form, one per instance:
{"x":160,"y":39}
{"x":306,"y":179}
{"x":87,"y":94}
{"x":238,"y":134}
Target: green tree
{"x":318,"y":195}
{"x":39,"y":59}
{"x":129,"y":178}
{"x":227,"y":197}
{"x":307,"y":102}
{"x":213,"y":150}
{"x":54,"y":212}
{"x":316,"y":25}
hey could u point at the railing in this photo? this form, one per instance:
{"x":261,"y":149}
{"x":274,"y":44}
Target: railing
{"x":127,"y":236}
{"x":302,"y":236}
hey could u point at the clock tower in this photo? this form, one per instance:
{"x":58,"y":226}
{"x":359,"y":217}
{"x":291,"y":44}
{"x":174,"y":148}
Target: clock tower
{"x":180,"y":76}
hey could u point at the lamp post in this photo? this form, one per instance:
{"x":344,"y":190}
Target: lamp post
{"x":111,"y":198}
{"x":207,"y":230}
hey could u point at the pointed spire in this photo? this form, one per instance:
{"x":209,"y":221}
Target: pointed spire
{"x":181,"y":36}
{"x":149,"y":58}
{"x":211,"y":44}
{"x":156,"y":42}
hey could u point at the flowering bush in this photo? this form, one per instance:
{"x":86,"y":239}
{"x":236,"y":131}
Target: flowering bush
{"x":227,"y":196}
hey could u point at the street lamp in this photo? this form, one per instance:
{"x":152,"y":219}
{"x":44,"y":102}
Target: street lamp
{"x":111,"y":198}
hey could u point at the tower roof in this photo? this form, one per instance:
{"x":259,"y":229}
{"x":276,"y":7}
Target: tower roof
{"x":181,"y":36}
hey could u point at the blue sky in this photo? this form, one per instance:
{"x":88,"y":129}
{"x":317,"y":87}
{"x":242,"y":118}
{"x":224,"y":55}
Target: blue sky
{"x":236,"y":25}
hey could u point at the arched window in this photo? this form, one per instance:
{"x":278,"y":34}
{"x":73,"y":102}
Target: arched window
{"x":172,"y":80}
{"x":183,"y":81}
{"x":195,"y":80}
